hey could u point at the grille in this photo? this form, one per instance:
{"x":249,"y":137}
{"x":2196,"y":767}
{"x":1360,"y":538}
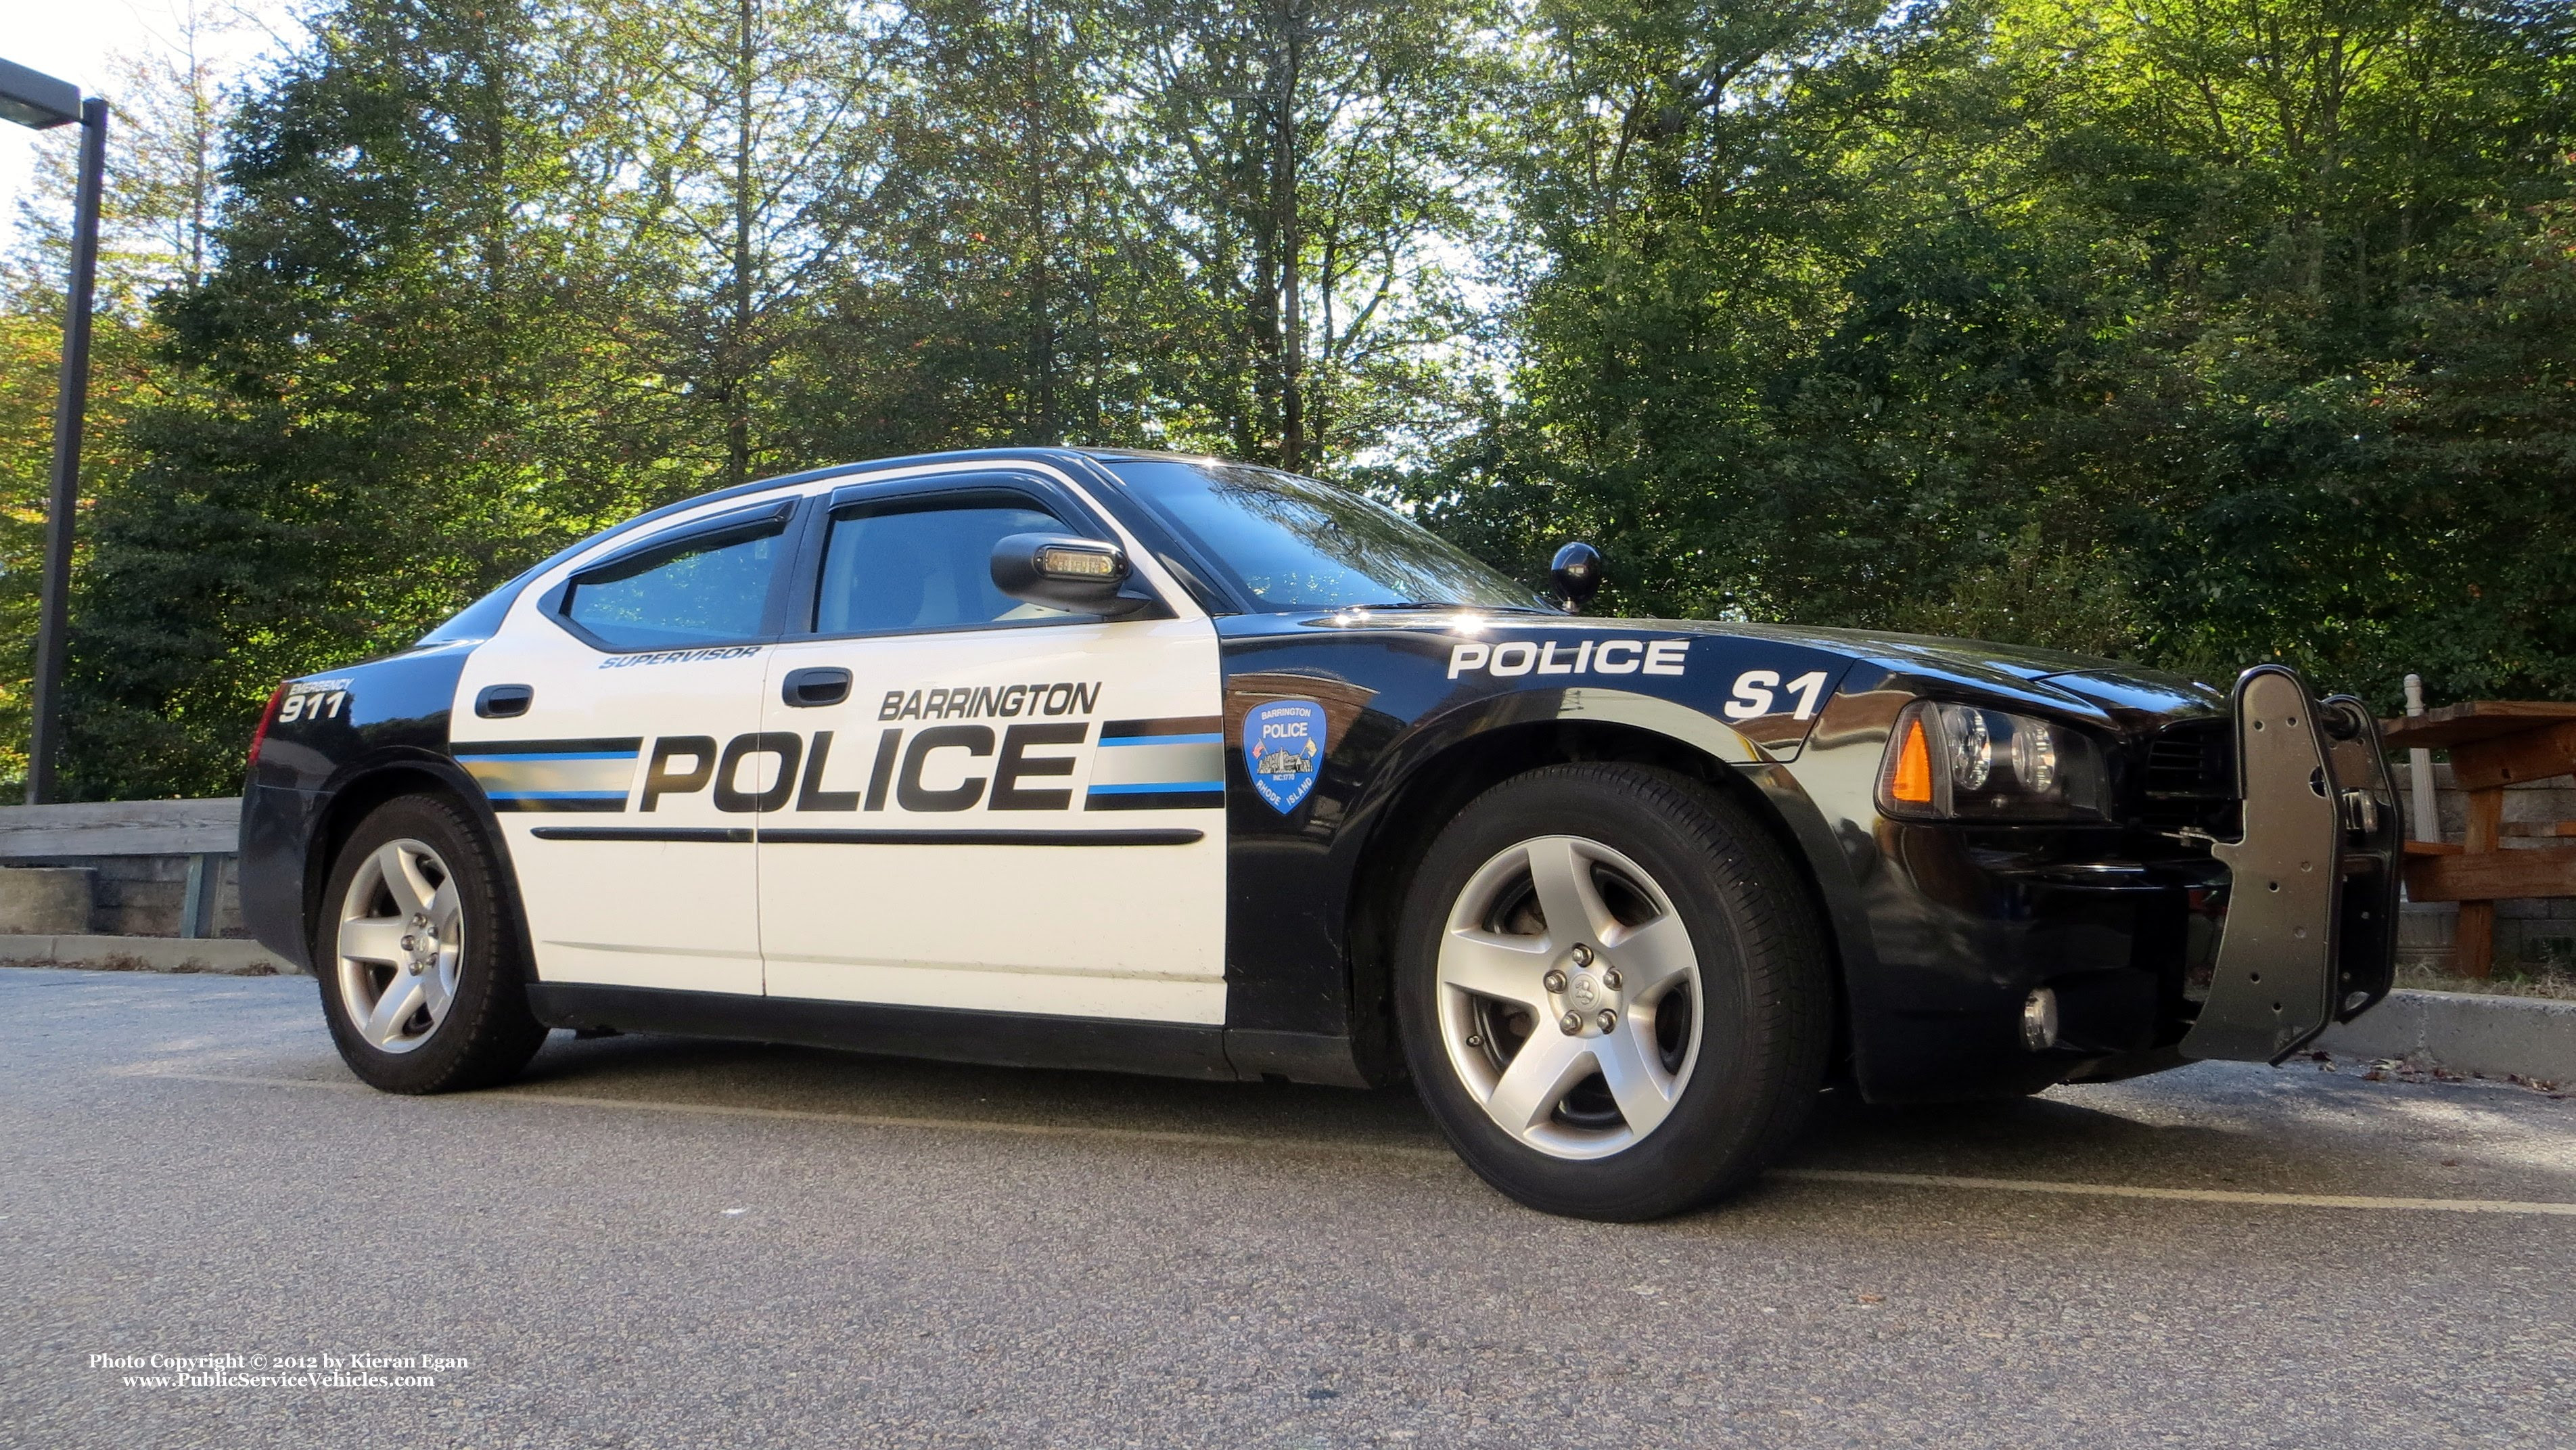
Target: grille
{"x":2190,"y":779}
{"x":2194,"y":760}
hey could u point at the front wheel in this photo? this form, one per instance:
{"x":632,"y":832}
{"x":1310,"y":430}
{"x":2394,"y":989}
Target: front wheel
{"x":419,"y":966}
{"x":1612,"y":991}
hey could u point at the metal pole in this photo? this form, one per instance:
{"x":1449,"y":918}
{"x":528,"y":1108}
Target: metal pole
{"x":196,"y":904}
{"x":2419,"y":770}
{"x":71,"y":404}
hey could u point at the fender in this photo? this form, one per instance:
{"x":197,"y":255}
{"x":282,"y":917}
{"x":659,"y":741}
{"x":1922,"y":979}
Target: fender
{"x":1394,"y":709}
{"x":394,"y":717}
{"x":1829,"y":867}
{"x":314,"y":867}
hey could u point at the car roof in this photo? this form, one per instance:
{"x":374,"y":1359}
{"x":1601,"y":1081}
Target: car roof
{"x":500,"y":598}
{"x":952,"y":455}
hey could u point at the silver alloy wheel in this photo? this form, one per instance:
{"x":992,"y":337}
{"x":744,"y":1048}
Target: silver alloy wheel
{"x":1569,"y":995}
{"x":402,"y":938}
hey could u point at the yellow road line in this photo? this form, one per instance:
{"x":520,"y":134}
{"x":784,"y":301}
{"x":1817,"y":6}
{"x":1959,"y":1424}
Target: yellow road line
{"x":2188,"y":1195}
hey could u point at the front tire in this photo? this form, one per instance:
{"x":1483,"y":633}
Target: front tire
{"x":418,"y":956}
{"x":1612,"y":991}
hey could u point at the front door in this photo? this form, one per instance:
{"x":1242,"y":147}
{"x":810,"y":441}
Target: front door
{"x":983,"y":804}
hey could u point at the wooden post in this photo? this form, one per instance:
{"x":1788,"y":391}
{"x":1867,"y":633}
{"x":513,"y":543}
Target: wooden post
{"x":2493,"y":744}
{"x":2477,"y":918}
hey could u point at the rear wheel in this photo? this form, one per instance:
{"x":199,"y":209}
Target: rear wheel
{"x":419,"y":968}
{"x":1612,"y":991}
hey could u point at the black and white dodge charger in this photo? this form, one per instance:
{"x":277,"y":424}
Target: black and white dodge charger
{"x":1156,"y":764}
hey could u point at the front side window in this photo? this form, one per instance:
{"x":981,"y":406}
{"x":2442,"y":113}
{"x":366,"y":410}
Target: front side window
{"x":918,"y":564}
{"x":1294,"y":543}
{"x":708,"y":591}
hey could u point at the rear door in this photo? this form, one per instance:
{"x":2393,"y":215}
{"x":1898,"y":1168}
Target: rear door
{"x":624,"y":780}
{"x":995,"y":806}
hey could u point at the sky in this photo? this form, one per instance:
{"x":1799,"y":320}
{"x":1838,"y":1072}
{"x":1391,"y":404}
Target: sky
{"x":76,"y":41}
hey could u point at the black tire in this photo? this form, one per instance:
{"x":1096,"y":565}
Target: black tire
{"x":487,"y":1034}
{"x":1765,"y":999}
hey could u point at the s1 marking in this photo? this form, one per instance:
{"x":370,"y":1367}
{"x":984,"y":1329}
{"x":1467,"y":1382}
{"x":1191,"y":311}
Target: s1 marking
{"x":1754,"y":694}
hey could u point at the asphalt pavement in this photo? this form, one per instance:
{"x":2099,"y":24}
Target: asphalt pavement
{"x":655,"y":1242}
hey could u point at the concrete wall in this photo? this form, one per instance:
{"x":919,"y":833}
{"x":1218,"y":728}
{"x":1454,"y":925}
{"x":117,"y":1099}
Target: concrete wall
{"x":2527,"y":933}
{"x":46,"y":899}
{"x":134,"y":858}
{"x":129,"y":895}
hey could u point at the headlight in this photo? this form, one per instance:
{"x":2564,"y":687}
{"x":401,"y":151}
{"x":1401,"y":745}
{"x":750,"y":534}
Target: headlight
{"x":1964,"y":763}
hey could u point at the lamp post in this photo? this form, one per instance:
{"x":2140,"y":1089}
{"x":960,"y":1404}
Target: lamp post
{"x":41,"y":102}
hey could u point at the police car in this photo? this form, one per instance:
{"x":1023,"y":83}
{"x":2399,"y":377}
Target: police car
{"x":1154,"y":764}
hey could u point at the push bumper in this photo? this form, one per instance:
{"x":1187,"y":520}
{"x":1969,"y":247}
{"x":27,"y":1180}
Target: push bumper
{"x":2311,"y":928}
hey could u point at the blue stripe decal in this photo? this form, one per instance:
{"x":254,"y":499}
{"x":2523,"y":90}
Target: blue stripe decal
{"x":558,"y":795}
{"x":564,"y":755}
{"x":1159,"y":788}
{"x":1163,"y":740}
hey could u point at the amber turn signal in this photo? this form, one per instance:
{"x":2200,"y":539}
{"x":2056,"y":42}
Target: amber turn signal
{"x":1912,"y":782}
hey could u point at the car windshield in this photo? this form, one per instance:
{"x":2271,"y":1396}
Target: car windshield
{"x":1292,"y":543}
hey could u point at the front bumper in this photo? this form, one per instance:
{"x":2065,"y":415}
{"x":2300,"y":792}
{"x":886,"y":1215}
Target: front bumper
{"x":2311,"y":930}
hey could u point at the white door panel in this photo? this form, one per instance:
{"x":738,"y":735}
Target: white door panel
{"x":1015,"y":819}
{"x":677,"y":912}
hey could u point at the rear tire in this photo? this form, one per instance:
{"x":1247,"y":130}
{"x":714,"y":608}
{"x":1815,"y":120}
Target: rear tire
{"x":417,"y":954}
{"x":1644,"y":953}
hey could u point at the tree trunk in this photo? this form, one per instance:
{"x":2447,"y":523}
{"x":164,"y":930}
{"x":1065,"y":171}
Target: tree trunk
{"x":1292,"y":342}
{"x":737,"y":367}
{"x":1043,"y":426}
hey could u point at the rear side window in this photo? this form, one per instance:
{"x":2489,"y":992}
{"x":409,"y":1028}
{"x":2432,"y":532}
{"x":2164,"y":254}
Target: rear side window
{"x":926,"y":564}
{"x":710,"y":590}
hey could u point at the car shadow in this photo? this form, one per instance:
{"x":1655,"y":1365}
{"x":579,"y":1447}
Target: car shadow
{"x":2226,"y":1126}
{"x":2214,"y":1126}
{"x":823,"y":1080}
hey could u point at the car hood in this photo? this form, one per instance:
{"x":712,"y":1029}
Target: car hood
{"x":2131,"y":695}
{"x":2129,"y":698}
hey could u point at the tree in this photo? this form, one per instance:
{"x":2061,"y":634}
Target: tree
{"x":1955,"y":317}
{"x":365,"y":422}
{"x":750,"y":128}
{"x":995,"y":295}
{"x":161,"y":188}
{"x":1309,"y":164}
{"x":2200,"y":333}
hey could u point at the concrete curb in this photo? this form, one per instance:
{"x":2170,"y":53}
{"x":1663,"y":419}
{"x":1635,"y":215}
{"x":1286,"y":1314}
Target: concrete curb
{"x":146,"y":954}
{"x":2533,"y":1038}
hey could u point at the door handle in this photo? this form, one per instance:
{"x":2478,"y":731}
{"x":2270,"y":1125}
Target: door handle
{"x":500,"y":702}
{"x":822,"y":685}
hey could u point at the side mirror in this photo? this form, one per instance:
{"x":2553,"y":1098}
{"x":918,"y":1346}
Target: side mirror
{"x":1062,"y":571}
{"x":1575,"y":574}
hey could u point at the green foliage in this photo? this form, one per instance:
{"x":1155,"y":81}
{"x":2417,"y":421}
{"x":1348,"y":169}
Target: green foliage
{"x":386,"y":397}
{"x":2196,"y":334}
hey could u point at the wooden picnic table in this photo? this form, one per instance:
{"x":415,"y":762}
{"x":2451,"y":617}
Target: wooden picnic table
{"x":2493,"y":744}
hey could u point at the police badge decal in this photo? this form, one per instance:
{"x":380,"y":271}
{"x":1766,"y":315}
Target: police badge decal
{"x":1283,"y":747}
